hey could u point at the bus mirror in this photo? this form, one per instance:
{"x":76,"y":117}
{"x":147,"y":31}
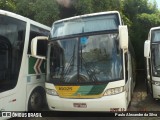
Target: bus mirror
{"x":123,"y":36}
{"x":39,"y":47}
{"x":147,"y":49}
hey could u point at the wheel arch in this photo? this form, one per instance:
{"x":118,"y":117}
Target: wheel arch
{"x":38,"y":88}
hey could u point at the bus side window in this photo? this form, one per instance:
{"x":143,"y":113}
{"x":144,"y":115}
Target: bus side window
{"x":5,"y":62}
{"x":5,"y":54}
{"x":34,"y":32}
{"x":12,"y":36}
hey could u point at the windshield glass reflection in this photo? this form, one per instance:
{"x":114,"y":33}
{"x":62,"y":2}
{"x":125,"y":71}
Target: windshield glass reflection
{"x":86,"y":59}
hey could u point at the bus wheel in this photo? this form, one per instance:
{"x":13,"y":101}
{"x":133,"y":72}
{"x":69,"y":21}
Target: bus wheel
{"x":35,"y":101}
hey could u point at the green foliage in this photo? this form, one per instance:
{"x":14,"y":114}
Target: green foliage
{"x":141,"y":28}
{"x":45,"y":12}
{"x":8,"y":5}
{"x":83,"y":7}
{"x":106,"y":5}
{"x":91,"y":6}
{"x":149,"y":20}
{"x":25,"y":8}
{"x":134,"y":7}
{"x":138,"y":15}
{"x":142,"y":15}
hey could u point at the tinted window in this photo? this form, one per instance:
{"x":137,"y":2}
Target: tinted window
{"x":156,"y":36}
{"x":87,"y":59}
{"x":36,"y":31}
{"x":85,"y":25}
{"x":12,"y":36}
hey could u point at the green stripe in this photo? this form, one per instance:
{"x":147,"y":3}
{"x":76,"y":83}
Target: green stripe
{"x":84,"y":90}
{"x":91,"y":90}
{"x":31,"y":64}
{"x":97,"y":89}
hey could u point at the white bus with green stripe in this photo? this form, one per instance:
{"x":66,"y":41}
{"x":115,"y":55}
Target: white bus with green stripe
{"x":22,"y":77}
{"x":90,"y":63}
{"x":152,"y":58}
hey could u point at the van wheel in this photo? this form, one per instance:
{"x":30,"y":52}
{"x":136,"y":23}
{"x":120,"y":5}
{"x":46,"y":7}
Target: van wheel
{"x":35,"y":101}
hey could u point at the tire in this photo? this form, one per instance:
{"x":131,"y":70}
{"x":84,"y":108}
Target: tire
{"x":35,"y":101}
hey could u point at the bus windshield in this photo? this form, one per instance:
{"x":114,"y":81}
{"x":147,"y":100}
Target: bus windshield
{"x":85,"y":59}
{"x":156,"y":52}
{"x":85,"y":25}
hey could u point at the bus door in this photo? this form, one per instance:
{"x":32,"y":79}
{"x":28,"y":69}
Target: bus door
{"x":148,"y":60}
{"x":128,"y":76}
{"x":149,"y":78}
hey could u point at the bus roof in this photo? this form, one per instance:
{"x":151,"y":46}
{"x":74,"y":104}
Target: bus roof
{"x":152,"y":29}
{"x":155,"y":28}
{"x":88,"y":15}
{"x":16,"y":16}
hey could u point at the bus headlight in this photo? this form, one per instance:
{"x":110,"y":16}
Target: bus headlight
{"x":157,"y":83}
{"x":113,"y":91}
{"x":51,"y":92}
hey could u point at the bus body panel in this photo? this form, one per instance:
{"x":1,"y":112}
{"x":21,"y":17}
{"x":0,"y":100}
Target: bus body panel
{"x":105,"y":103}
{"x":156,"y":88}
{"x":16,"y":99}
{"x":151,"y":79}
{"x":156,"y":93}
{"x":109,"y":85}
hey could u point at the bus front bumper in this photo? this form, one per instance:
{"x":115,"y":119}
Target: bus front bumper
{"x":111,"y":103}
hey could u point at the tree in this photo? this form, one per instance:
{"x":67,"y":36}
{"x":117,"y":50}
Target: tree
{"x":25,"y":8}
{"x":107,"y":5}
{"x":9,"y":5}
{"x":45,"y":12}
{"x":142,"y":16}
{"x":91,"y":6}
{"x":83,"y":6}
{"x":144,"y":23}
{"x":138,"y":15}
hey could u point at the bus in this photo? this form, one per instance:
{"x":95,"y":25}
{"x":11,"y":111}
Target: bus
{"x":152,"y":57}
{"x":90,"y":63}
{"x":22,"y":77}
